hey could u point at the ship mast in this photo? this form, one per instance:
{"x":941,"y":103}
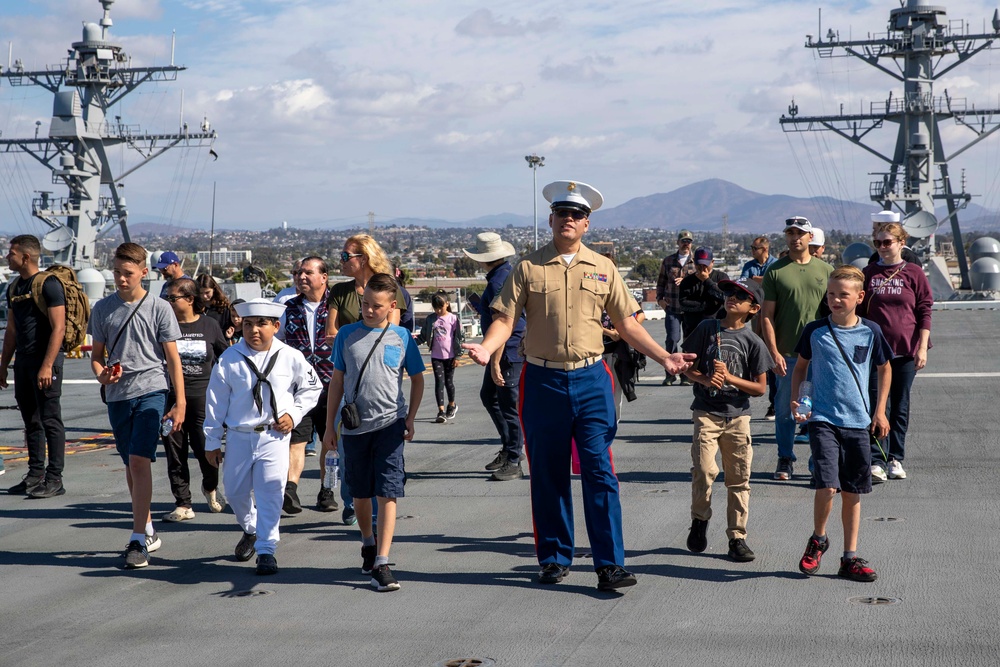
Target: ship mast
{"x":920,"y":47}
{"x":96,"y":75}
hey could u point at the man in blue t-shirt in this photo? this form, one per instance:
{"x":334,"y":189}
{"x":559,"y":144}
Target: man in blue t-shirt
{"x":500,"y":389}
{"x":37,"y":336}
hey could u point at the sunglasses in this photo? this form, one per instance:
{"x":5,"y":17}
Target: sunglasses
{"x":885,"y":243}
{"x":346,"y":256}
{"x":739,"y":295}
{"x":688,"y":241}
{"x":174,"y":298}
{"x":570,"y":213}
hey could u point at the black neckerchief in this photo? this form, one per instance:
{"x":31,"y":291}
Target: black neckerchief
{"x":262,"y":379}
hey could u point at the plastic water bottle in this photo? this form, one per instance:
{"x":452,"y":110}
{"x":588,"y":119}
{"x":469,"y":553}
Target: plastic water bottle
{"x":331,"y":470}
{"x":166,"y":427}
{"x":805,"y":398}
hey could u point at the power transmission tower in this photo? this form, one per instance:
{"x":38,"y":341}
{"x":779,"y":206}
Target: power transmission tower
{"x":921,"y":45}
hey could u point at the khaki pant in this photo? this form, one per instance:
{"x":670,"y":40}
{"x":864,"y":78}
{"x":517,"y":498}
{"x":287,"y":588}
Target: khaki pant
{"x":732,"y":436}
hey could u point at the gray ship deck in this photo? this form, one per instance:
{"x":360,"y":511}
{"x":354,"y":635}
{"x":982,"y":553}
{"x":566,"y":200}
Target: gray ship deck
{"x":463,"y":553}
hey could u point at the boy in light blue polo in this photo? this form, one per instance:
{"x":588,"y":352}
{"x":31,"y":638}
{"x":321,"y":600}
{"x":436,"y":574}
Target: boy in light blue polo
{"x":368,"y":359}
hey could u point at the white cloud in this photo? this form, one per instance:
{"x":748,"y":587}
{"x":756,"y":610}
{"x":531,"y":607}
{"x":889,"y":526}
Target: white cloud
{"x":482,"y":23}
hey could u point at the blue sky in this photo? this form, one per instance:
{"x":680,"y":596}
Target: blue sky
{"x":327,"y":110}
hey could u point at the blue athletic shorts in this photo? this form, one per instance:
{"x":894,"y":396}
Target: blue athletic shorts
{"x":136,"y":424}
{"x":842,"y":457}
{"x":373,"y":462}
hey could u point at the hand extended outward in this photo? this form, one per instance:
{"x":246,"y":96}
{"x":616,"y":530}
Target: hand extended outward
{"x":678,"y":362}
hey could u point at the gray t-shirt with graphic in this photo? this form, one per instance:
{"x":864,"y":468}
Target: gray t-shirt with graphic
{"x":140,"y":348}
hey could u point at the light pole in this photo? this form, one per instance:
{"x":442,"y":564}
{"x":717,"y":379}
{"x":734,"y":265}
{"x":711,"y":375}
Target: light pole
{"x":534,"y":162}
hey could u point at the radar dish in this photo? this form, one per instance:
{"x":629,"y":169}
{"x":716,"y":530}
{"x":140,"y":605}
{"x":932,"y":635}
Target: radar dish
{"x":58,"y":239}
{"x":921,"y":224}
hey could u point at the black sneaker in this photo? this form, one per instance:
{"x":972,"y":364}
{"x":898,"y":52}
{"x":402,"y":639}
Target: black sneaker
{"x":326,"y":501}
{"x":441,"y":418}
{"x":739,"y":551}
{"x":770,"y":413}
{"x":552,"y":573}
{"x":26,"y":485}
{"x":245,"y":547}
{"x":266,"y":564}
{"x":136,"y":555}
{"x":349,"y":517}
{"x":368,"y":558}
{"x":498,"y":462}
{"x":613,"y":577}
{"x":785,"y":469}
{"x":50,"y":488}
{"x":685,"y":381}
{"x":669,"y":380}
{"x":508,"y":472}
{"x":451,"y":411}
{"x":856,"y":569}
{"x":291,"y":504}
{"x":382,"y":579}
{"x":697,"y":542}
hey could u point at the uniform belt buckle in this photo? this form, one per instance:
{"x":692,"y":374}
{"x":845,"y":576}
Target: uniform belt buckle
{"x":259,"y":429}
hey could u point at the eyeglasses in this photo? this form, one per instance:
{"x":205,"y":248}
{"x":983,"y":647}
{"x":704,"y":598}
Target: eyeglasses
{"x":174,"y":298}
{"x":755,"y":248}
{"x":570,"y":213}
{"x":885,"y":243}
{"x":739,"y":295}
{"x":346,"y":256}
{"x":688,"y":241}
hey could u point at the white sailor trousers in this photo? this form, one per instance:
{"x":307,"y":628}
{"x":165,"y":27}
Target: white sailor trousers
{"x":256,"y":468}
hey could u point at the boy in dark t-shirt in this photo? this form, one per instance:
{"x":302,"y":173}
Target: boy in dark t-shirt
{"x":732,"y":366}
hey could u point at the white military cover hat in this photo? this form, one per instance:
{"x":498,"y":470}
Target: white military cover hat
{"x":489,"y":248}
{"x":883,"y":217}
{"x":260,"y":308}
{"x":573,"y":194}
{"x":818,"y":239}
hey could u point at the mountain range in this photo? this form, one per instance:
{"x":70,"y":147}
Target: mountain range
{"x":699,"y":207}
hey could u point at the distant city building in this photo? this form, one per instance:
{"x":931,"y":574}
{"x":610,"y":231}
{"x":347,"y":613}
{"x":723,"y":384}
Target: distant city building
{"x":225,"y":257}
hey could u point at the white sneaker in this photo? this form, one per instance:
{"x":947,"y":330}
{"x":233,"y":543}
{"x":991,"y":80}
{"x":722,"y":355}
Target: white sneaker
{"x":896,"y":470}
{"x":878,"y":473}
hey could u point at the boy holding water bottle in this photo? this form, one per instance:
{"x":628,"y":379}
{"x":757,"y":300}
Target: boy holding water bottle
{"x":732,"y":366}
{"x":843,"y":347}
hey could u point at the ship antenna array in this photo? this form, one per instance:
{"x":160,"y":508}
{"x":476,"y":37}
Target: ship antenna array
{"x":921,"y":46}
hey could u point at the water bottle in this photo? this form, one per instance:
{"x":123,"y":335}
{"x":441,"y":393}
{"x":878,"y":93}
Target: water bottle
{"x":166,"y":427}
{"x":331,"y":472}
{"x":805,"y":398}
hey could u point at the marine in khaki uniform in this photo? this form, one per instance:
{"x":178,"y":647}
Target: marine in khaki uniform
{"x":566,"y":390}
{"x":259,"y":391}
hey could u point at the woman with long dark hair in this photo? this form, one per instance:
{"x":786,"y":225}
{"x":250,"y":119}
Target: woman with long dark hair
{"x":216,"y":303}
{"x":199,"y":347}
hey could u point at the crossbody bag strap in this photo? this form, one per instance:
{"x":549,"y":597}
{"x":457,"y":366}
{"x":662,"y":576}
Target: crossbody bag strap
{"x":840,"y":347}
{"x":125,"y":326}
{"x":357,"y":384}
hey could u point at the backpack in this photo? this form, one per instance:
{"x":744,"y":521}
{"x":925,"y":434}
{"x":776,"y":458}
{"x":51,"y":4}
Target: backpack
{"x":77,"y":304}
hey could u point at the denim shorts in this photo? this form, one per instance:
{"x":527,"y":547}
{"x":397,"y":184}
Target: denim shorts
{"x":842,"y":457}
{"x":136,"y":424}
{"x":373,"y":462}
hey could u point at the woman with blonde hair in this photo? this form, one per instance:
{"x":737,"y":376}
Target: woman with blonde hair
{"x":897,"y":298}
{"x":361,"y":259}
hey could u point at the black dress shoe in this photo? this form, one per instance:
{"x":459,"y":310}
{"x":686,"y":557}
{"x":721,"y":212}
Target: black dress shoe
{"x":613,"y":577}
{"x":266,"y":564}
{"x":291,"y":504}
{"x":326,"y":501}
{"x":552,"y":573}
{"x":245,"y":547}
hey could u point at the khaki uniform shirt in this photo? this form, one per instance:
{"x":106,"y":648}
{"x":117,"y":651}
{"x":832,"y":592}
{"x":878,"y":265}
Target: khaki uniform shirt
{"x":563,"y":304}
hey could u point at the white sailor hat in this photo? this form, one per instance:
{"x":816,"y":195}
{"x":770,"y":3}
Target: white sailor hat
{"x":883,"y":217}
{"x":260,"y":308}
{"x":573,"y":194}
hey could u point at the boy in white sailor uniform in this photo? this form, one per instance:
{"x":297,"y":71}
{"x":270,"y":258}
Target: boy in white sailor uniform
{"x":258,"y":392}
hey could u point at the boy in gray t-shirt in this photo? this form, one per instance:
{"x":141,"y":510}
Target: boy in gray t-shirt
{"x":373,"y":452}
{"x":732,"y":366}
{"x":139,"y":335}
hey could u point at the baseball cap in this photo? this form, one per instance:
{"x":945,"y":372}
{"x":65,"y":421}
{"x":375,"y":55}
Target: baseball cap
{"x":685,"y":235}
{"x":818,"y":239}
{"x":748,"y":285}
{"x":703,"y":255}
{"x":798,"y":222}
{"x":166,"y":259}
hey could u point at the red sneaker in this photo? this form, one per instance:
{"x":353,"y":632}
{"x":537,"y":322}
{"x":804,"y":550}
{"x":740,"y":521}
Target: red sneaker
{"x":856,"y":569}
{"x":814,"y":553}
